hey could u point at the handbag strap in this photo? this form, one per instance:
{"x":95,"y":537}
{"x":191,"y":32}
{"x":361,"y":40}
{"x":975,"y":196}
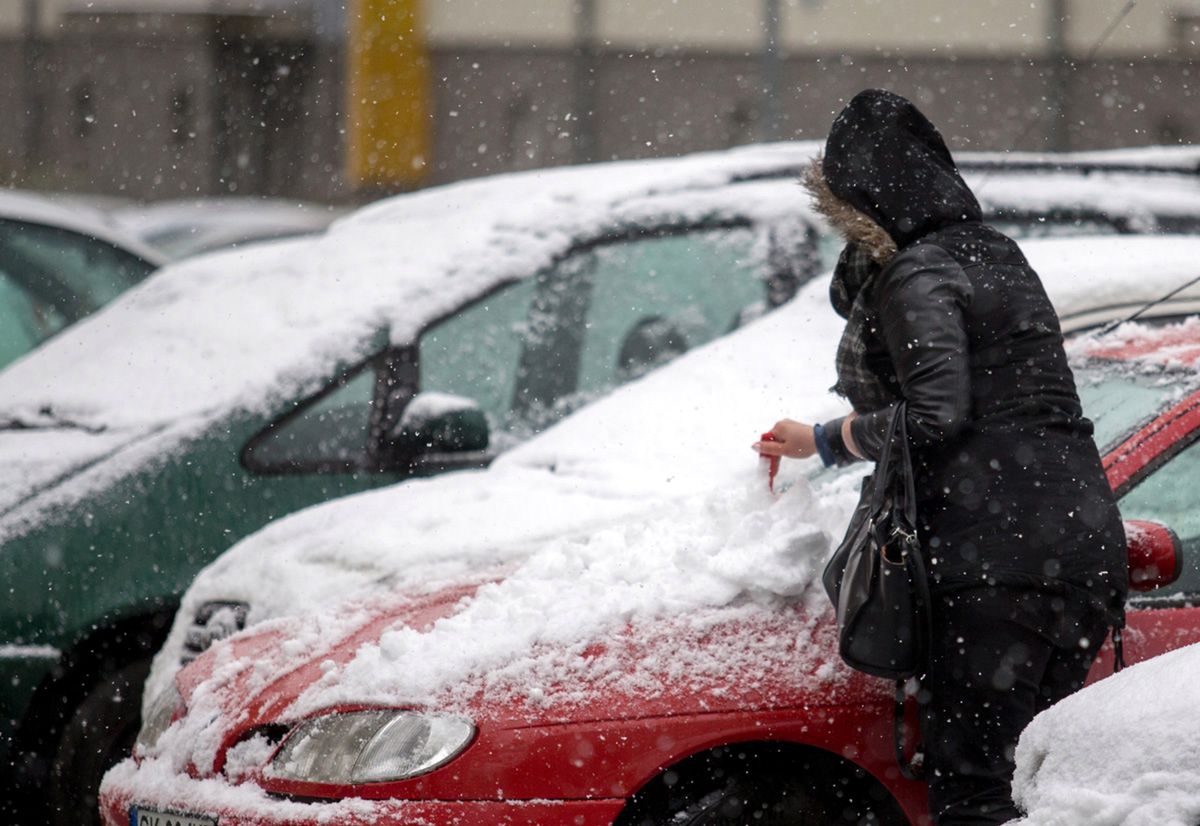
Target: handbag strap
{"x":903,"y":469}
{"x":897,"y":476}
{"x":893,"y":494}
{"x":883,"y":466}
{"x":910,"y":769}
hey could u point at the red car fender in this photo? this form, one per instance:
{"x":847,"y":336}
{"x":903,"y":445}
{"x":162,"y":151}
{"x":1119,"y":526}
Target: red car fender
{"x":614,"y":758}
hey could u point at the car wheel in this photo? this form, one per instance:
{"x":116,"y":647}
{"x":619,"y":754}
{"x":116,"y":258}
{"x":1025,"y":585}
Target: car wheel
{"x":744,"y":800}
{"x":771,"y":786}
{"x":99,"y":733}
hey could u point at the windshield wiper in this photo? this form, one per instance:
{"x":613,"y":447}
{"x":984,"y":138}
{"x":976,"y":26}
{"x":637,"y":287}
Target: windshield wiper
{"x":48,"y":421}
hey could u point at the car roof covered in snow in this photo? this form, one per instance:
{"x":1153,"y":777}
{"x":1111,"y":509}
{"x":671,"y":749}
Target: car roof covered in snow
{"x":249,"y":329}
{"x":30,"y":207}
{"x":190,"y":226}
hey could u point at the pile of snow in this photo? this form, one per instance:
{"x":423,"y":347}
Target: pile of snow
{"x":731,"y":555}
{"x":1122,"y":752}
{"x":555,"y":630}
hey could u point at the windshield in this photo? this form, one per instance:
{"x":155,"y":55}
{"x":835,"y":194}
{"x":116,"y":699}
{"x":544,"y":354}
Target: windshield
{"x":1118,"y":399}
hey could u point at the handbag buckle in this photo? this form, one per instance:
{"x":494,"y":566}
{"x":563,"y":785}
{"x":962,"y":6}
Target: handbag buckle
{"x":893,"y":552}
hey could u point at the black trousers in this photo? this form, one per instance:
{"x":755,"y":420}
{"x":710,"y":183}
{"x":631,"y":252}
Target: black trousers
{"x":999,"y":655}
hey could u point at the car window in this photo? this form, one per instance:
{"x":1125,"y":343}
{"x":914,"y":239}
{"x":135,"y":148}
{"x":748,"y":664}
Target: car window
{"x":330,"y":433}
{"x":475,"y":352}
{"x":535,"y":350}
{"x":90,"y":271}
{"x":25,"y":320}
{"x":1118,"y":400}
{"x":656,"y":297}
{"x":1168,"y":496}
{"x":617,"y":310}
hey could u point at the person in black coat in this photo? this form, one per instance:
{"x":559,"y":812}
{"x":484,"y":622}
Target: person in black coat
{"x":1021,"y":535}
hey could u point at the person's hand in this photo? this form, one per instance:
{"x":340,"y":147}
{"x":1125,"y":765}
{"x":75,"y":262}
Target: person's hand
{"x":792,"y":439}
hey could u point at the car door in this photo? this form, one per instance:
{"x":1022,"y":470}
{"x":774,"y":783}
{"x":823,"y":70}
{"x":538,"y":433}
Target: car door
{"x":1156,"y":474}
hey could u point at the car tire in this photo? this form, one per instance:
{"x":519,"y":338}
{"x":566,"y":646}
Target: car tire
{"x":771,"y":787}
{"x":99,"y":733}
{"x":744,"y":800}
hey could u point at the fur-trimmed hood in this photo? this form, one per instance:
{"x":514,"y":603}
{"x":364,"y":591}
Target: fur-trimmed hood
{"x":854,"y":226}
{"x":886,"y":165}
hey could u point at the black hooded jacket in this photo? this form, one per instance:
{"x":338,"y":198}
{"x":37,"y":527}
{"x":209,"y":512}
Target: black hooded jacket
{"x":1010,"y":486}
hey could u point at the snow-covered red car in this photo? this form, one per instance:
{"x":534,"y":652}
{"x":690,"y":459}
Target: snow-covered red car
{"x":614,"y":624}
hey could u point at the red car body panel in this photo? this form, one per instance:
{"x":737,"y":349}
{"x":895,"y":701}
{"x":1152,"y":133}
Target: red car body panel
{"x":590,"y":756}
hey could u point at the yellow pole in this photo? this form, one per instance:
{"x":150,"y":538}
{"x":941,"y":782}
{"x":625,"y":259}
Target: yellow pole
{"x":387,"y":136}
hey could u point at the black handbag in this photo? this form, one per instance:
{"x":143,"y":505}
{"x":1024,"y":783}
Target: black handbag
{"x":876,"y":578}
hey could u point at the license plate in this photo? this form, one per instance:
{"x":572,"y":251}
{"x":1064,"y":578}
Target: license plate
{"x":141,"y":816}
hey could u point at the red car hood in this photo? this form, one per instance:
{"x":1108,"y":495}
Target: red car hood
{"x":754,"y":655}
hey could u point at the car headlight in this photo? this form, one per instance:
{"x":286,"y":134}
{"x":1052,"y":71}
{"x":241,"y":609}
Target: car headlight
{"x":370,"y":746}
{"x":157,"y":719}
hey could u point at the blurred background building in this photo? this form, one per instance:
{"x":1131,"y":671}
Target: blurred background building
{"x":340,"y":99}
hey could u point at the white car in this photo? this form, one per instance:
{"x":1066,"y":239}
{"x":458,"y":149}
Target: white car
{"x":181,"y":228}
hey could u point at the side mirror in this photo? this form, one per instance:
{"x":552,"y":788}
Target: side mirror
{"x":1155,"y":555}
{"x":441,"y":423}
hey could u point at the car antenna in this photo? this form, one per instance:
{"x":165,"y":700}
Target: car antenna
{"x":1112,"y":325}
{"x":1029,"y":127}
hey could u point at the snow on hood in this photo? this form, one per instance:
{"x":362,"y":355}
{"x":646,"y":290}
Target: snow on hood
{"x":1125,"y":751}
{"x":247,"y":329}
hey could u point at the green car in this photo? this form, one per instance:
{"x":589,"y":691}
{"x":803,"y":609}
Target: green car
{"x":421,"y":334}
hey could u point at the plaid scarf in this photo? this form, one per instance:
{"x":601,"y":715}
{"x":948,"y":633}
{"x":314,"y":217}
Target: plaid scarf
{"x":864,"y":371}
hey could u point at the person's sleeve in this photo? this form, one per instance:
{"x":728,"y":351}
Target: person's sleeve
{"x":922,"y":306}
{"x":835,"y":451}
